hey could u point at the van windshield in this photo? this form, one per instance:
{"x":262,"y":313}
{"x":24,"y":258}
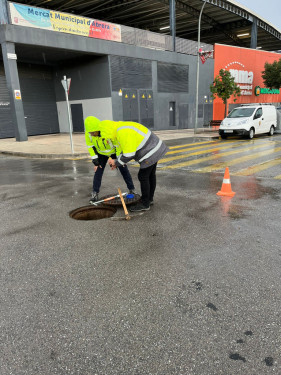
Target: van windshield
{"x":241,"y":112}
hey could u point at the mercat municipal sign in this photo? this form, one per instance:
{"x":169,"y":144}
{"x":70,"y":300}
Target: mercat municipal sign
{"x":264,"y":90}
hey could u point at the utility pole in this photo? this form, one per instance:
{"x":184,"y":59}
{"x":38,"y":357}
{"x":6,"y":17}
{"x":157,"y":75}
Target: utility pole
{"x":197,"y":75}
{"x":66,"y":85}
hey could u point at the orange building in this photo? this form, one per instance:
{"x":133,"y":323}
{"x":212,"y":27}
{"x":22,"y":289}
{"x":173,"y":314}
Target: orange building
{"x":246,"y":66}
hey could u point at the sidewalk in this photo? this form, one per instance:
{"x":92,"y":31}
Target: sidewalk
{"x":58,"y":145}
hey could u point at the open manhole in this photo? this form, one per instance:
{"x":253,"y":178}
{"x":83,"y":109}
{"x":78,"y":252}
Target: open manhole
{"x":92,"y":213}
{"x":117,"y":201}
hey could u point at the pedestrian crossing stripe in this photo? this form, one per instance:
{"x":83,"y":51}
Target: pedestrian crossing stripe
{"x":192,"y":144}
{"x":258,"y":168}
{"x":242,"y":159}
{"x":218,"y":155}
{"x":206,"y":142}
{"x":212,"y":157}
{"x":217,"y":145}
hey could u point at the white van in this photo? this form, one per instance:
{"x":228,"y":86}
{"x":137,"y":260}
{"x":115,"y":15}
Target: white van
{"x":249,"y":120}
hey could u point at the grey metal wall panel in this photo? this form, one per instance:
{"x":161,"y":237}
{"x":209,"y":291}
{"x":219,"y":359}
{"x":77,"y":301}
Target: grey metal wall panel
{"x":6,"y":125}
{"x":172,"y":114}
{"x":130,"y":105}
{"x":130,"y":73}
{"x":172,"y":78}
{"x":208,"y":113}
{"x":183,"y":116}
{"x":146,"y":108}
{"x":39,"y":101}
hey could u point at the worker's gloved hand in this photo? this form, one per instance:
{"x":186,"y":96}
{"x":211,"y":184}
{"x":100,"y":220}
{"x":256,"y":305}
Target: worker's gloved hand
{"x":96,"y":164}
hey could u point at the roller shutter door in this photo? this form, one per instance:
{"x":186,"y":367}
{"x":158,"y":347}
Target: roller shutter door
{"x":6,"y":124}
{"x":39,"y":100}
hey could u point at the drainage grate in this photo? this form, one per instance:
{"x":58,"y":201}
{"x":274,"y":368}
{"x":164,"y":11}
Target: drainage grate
{"x":92,"y":213}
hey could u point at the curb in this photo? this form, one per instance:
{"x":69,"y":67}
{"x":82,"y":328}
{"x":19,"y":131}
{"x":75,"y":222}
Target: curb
{"x":45,"y":156}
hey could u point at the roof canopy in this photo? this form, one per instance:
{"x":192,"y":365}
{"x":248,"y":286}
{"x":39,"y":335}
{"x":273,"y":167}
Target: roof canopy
{"x":223,"y":21}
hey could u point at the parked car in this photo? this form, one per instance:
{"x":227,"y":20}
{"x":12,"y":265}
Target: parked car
{"x":249,"y":120}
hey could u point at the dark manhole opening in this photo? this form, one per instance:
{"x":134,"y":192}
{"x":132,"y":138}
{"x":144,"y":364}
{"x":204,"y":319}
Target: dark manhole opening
{"x":92,"y":213}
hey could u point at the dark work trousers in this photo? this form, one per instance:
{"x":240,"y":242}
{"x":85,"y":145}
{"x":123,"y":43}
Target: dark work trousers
{"x":147,"y":179}
{"x":99,"y":173}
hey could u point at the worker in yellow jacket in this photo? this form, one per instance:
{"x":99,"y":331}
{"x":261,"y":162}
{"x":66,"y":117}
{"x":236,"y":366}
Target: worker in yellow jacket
{"x":102,"y":150}
{"x":139,"y":143}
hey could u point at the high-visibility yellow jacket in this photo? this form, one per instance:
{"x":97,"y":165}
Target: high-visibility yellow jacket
{"x":98,"y":145}
{"x":136,"y":142}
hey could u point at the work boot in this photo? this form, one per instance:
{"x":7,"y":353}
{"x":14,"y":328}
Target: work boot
{"x":139,"y":207}
{"x":132,"y":191}
{"x":94,"y":198}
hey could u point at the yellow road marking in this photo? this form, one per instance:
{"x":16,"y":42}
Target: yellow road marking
{"x":257,"y":168}
{"x":229,"y":163}
{"x":278,"y":177}
{"x":187,"y":155}
{"x":213,"y":157}
{"x":186,"y":150}
{"x":191,"y":144}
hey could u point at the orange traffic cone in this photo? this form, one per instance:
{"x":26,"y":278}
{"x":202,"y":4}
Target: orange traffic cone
{"x":226,"y":185}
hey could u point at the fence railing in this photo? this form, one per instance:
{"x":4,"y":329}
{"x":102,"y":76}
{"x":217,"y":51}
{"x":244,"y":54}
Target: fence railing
{"x":149,"y":39}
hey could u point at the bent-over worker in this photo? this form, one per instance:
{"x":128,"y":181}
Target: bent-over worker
{"x":139,"y":143}
{"x":102,"y":150}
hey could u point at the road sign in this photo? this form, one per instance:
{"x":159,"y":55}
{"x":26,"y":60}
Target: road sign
{"x":66,"y":82}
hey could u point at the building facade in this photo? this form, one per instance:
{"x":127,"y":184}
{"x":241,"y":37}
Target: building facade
{"x":246,"y":66}
{"x":116,"y":73}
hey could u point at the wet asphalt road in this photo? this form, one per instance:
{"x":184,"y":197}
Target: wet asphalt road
{"x":191,"y":287}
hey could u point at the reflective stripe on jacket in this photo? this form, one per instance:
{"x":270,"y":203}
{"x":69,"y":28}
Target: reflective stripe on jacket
{"x":99,"y":145}
{"x":139,"y":143}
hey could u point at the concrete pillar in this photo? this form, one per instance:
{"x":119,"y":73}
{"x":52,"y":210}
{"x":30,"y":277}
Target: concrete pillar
{"x":4,"y":19}
{"x":173,"y":22}
{"x":254,"y":34}
{"x":13,"y":84}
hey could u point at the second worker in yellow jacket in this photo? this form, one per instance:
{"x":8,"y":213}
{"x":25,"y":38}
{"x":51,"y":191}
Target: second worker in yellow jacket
{"x":102,"y":151}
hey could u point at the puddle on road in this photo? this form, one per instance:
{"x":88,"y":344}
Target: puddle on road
{"x":252,"y":189}
{"x":232,"y":210}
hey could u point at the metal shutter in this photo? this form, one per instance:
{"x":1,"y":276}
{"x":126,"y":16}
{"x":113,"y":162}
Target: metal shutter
{"x":7,"y":129}
{"x":127,"y":72}
{"x":172,"y":78}
{"x":39,"y":100}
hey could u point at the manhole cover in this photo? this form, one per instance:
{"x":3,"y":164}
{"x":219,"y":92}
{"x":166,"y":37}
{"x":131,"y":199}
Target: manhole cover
{"x":92,"y":213}
{"x":117,"y":201}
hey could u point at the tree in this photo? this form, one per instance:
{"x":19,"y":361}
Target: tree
{"x":272,"y":75}
{"x":224,"y":86}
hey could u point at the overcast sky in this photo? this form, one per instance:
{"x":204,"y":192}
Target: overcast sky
{"x":270,"y":10}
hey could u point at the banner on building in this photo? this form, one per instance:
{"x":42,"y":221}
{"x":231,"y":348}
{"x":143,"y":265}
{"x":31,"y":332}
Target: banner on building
{"x":24,"y":15}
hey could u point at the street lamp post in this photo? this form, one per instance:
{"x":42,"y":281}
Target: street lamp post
{"x":197,"y":75}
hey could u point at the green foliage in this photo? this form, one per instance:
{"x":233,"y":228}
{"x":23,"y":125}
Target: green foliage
{"x":272,"y":75}
{"x":224,"y":86}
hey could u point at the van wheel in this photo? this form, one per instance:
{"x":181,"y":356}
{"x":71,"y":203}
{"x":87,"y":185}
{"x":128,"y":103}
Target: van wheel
{"x":271,"y":131}
{"x":251,"y":133}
